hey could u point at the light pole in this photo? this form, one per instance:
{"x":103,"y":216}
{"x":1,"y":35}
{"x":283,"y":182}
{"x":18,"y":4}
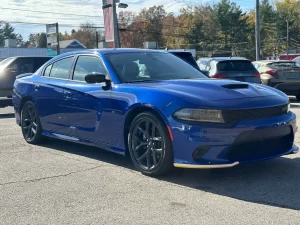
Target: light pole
{"x":257,"y":31}
{"x":287,"y":37}
{"x":115,"y":19}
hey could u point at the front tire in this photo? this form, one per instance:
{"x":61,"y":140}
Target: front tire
{"x":298,"y":97}
{"x":149,"y":145}
{"x":30,"y":124}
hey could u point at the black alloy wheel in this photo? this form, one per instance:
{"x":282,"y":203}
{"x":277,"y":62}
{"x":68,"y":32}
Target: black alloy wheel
{"x":149,"y":145}
{"x":30,"y":124}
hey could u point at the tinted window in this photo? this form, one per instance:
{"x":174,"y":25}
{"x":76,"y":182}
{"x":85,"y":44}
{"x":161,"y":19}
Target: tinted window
{"x":188,"y":57}
{"x":235,"y":65}
{"x":61,"y":68}
{"x":159,"y":66}
{"x":86,"y":65}
{"x":47,"y":71}
{"x":39,"y":61}
{"x":23,"y":65}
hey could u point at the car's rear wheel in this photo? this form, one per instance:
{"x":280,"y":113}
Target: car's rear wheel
{"x":298,"y":97}
{"x":30,"y":124}
{"x":150,"y":145}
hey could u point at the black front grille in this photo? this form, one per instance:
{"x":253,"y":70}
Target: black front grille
{"x":263,"y":147}
{"x":233,"y":116}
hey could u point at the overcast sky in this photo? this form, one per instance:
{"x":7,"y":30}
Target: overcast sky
{"x":71,"y":13}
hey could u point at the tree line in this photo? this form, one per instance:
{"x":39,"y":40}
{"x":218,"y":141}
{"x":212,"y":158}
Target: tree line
{"x":219,"y":29}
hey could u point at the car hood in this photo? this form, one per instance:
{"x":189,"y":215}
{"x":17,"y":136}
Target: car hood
{"x":211,"y":89}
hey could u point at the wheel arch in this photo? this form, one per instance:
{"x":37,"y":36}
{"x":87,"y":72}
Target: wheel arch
{"x":23,"y":101}
{"x":136,"y":110}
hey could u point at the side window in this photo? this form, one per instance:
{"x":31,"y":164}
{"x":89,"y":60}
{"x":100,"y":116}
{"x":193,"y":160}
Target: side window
{"x":24,"y":65}
{"x":47,"y":71}
{"x":87,"y":64}
{"x":61,"y":68}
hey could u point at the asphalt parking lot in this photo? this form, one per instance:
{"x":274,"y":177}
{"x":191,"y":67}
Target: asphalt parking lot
{"x":64,"y":183}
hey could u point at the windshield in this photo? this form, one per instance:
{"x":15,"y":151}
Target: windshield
{"x":4,"y":63}
{"x":145,"y":66}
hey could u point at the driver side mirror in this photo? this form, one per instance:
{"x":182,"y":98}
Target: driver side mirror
{"x":94,"y":78}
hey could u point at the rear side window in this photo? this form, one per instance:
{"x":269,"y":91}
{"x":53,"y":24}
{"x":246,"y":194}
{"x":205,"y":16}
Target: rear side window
{"x":61,"y":68}
{"x":235,"y":65}
{"x":86,"y":65}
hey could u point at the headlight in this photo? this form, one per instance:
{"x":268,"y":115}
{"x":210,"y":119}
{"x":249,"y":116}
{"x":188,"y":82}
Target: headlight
{"x":200,"y":115}
{"x":289,"y":107}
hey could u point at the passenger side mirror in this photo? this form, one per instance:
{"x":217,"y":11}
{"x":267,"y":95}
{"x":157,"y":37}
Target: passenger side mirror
{"x":94,"y":78}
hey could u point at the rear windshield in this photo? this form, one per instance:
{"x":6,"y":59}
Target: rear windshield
{"x":284,"y":64}
{"x":235,"y":65}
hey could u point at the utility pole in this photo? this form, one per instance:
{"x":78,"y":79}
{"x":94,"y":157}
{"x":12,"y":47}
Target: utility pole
{"x":115,"y":21}
{"x":287,"y":37}
{"x":113,"y":4}
{"x":257,"y":31}
{"x":57,"y":39}
{"x":97,"y":40}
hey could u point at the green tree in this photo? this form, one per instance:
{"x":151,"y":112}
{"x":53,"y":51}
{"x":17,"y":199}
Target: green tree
{"x":153,"y":23}
{"x":8,"y":32}
{"x":233,"y":25}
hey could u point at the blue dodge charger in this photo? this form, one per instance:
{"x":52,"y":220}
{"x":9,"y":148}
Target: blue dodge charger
{"x":169,"y":116}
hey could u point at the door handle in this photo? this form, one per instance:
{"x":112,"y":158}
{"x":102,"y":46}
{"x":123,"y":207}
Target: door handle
{"x":36,"y":87}
{"x":68,"y":94}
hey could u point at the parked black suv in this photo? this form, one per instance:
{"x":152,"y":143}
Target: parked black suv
{"x":13,"y":66}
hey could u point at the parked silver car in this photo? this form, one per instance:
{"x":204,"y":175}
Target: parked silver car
{"x":233,"y":68}
{"x":13,"y":66}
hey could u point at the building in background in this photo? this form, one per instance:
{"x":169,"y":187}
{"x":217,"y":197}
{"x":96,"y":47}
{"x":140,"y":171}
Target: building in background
{"x":65,"y":46}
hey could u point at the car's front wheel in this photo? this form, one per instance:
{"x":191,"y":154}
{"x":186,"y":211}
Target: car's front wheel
{"x":30,"y":124}
{"x":298,"y":97}
{"x":150,"y":145}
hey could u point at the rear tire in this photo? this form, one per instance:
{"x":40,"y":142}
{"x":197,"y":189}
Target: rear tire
{"x":149,"y":145}
{"x":30,"y":124}
{"x":298,"y":97}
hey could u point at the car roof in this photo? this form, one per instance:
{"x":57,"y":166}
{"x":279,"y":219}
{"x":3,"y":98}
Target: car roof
{"x":271,"y":61}
{"x":219,"y":59}
{"x":15,"y":57}
{"x":106,"y":51}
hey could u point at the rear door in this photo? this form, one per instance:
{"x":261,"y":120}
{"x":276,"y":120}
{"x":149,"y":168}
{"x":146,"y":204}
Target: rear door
{"x":240,"y":70}
{"x":49,"y":95}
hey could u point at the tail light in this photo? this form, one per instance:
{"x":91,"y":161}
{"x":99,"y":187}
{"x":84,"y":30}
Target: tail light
{"x":272,"y":73}
{"x":220,"y":75}
{"x":256,"y":75}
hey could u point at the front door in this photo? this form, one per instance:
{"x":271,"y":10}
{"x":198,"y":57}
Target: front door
{"x":87,"y":104}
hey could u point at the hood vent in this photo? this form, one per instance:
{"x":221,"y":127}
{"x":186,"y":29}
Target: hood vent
{"x":235,"y":86}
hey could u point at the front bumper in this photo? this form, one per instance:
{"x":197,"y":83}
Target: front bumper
{"x":223,"y":147}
